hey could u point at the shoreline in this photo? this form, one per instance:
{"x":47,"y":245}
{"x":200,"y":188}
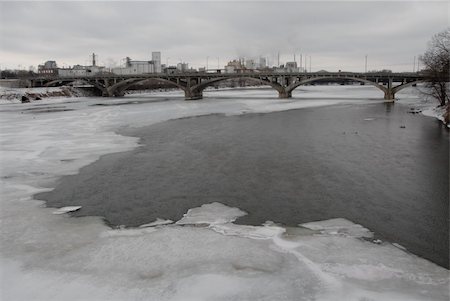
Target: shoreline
{"x":70,"y":92}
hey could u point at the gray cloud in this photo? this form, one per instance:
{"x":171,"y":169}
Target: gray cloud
{"x":336,"y":34}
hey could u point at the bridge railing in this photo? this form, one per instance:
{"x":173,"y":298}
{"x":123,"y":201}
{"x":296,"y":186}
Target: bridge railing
{"x":233,"y":75}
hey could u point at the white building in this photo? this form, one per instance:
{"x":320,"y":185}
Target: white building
{"x":234,"y":66}
{"x":135,"y":67}
{"x":230,"y":69}
{"x":140,"y":67}
{"x":182,"y":67}
{"x":156,"y":58}
{"x":80,"y":71}
{"x":250,"y":64}
{"x":262,"y":63}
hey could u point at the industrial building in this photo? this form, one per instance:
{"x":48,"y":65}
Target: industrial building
{"x":79,"y":70}
{"x":291,"y":67}
{"x":49,"y":68}
{"x":140,"y":67}
{"x":234,"y":66}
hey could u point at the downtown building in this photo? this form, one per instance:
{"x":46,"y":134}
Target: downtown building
{"x":140,"y":67}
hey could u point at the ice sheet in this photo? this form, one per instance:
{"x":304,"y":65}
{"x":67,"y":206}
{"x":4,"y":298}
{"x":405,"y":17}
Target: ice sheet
{"x":54,"y":257}
{"x":339,"y":226}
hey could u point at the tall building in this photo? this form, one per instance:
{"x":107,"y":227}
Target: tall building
{"x":262,"y":63}
{"x":250,"y":64}
{"x":182,"y":67}
{"x":156,"y":58}
{"x":292,"y":67}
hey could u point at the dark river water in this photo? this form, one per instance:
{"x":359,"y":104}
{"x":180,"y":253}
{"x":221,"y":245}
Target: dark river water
{"x":374,"y":164}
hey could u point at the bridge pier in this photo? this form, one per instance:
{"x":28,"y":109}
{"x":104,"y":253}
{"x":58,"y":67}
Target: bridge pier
{"x":193,"y":95}
{"x":108,"y":92}
{"x":389,"y":95}
{"x":119,"y":93}
{"x":284,"y":94}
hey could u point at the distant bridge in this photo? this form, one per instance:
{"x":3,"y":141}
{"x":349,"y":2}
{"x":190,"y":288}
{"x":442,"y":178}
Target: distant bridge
{"x":194,"y":83}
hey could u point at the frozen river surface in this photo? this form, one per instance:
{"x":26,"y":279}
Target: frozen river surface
{"x":204,"y":255}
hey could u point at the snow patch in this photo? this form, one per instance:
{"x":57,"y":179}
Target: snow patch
{"x":339,"y":226}
{"x":128,"y":232}
{"x":157,"y":222}
{"x":209,"y":287}
{"x":436,"y":112}
{"x":66,"y":209}
{"x":211,"y":214}
{"x":253,"y":232}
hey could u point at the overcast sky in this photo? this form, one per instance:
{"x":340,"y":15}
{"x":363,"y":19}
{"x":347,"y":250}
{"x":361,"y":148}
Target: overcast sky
{"x":337,"y":35}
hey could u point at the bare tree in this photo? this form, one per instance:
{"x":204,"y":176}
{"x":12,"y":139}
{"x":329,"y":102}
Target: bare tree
{"x":436,"y":62}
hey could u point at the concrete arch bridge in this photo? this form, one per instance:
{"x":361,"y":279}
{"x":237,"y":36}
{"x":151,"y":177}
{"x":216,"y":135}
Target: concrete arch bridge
{"x":193,"y":83}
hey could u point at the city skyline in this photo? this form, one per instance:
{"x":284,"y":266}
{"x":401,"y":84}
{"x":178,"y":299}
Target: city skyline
{"x":394,"y":34}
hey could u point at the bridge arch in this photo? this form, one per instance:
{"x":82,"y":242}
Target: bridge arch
{"x":99,"y":87}
{"x":406,"y":85}
{"x":120,"y":87}
{"x":293,"y":86}
{"x":200,"y":87}
{"x":58,"y":81}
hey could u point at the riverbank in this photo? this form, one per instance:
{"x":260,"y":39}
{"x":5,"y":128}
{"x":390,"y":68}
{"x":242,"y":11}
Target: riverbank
{"x":25,"y":95}
{"x":18,"y":95}
{"x":439,"y":113}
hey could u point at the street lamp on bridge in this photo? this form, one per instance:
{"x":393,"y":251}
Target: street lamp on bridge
{"x":365,"y":68}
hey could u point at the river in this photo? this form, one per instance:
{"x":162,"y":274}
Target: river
{"x":374,"y":164}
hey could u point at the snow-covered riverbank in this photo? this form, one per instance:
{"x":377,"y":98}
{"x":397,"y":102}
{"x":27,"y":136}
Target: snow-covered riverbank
{"x":204,"y":256}
{"x":14,"y":95}
{"x":436,"y":112}
{"x":17,"y":95}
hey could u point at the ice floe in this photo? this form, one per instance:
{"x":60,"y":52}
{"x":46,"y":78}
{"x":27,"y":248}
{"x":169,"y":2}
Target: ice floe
{"x":66,"y":209}
{"x":214,"y":213}
{"x":157,"y":222}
